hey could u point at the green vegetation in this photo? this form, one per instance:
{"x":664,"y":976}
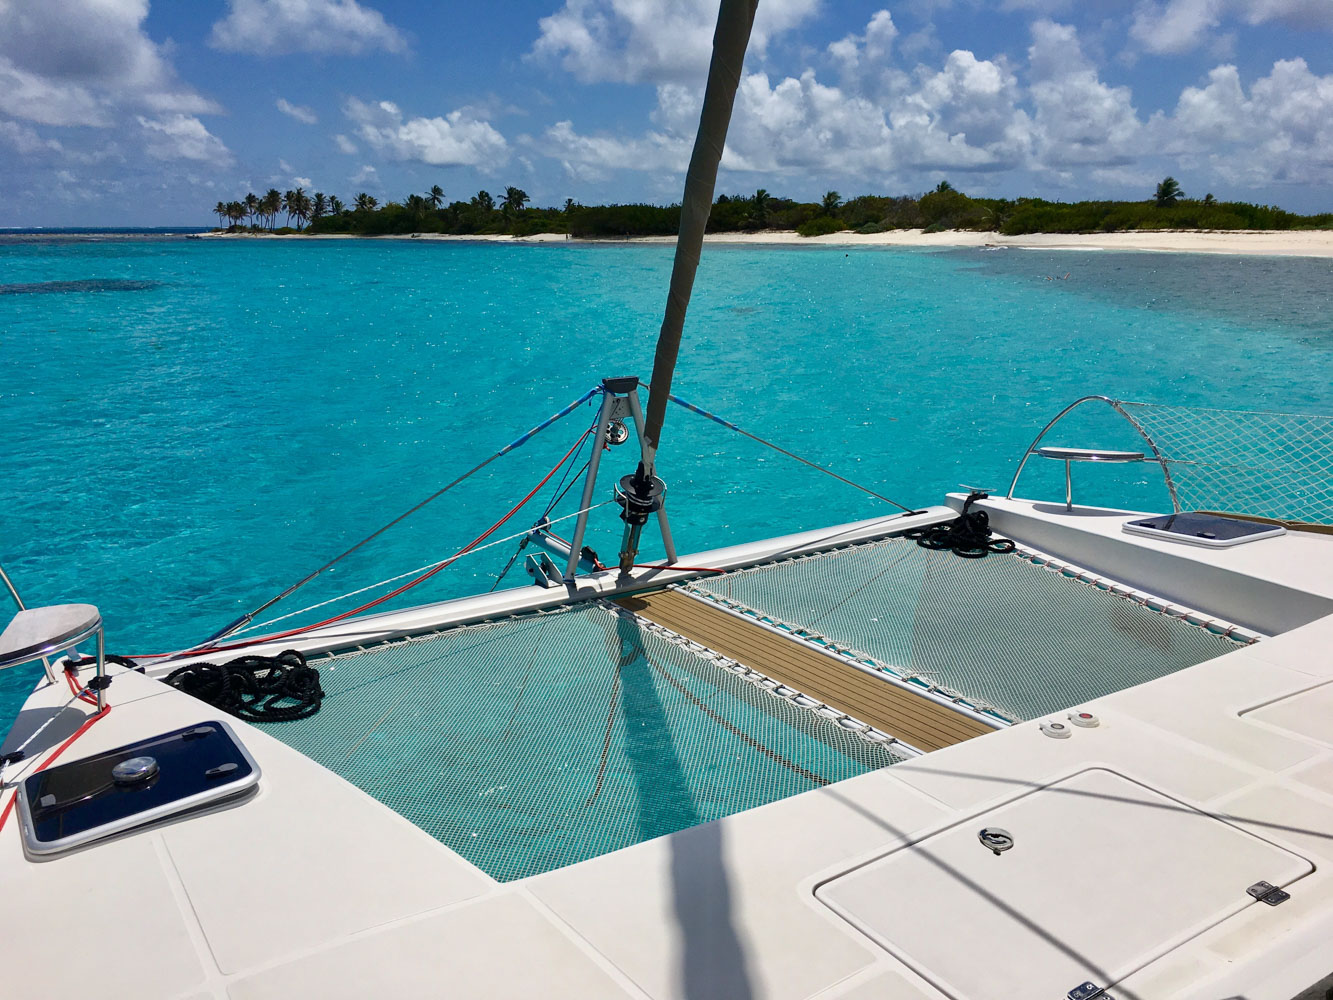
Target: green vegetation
{"x":942,"y":209}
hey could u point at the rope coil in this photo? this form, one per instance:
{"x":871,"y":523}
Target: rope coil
{"x":280,"y":688}
{"x":968,"y":535}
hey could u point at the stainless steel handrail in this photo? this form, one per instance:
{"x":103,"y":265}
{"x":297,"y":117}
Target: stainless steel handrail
{"x":13,"y":592}
{"x":1114,"y":404}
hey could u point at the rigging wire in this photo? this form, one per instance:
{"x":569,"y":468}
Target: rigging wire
{"x":474,"y":544}
{"x":783,"y":451}
{"x":88,"y":723}
{"x":517,"y":442}
{"x":403,"y":576}
{"x":523,"y":544}
{"x":527,"y":536}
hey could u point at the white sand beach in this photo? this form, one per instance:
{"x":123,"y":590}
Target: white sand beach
{"x":1300,"y":243}
{"x":1305,"y":243}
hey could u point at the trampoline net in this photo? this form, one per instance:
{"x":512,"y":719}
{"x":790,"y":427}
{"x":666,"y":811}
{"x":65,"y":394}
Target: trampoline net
{"x":536,"y":742}
{"x":999,"y":631}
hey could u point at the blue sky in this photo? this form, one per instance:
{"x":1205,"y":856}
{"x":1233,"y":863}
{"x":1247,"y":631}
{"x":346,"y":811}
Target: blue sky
{"x":122,"y":112}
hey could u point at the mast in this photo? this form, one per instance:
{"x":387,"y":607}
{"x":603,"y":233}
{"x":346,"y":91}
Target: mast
{"x":641,"y":492}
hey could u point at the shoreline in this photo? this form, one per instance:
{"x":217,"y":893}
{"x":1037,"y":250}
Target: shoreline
{"x":1273,"y":243}
{"x":1259,"y":243}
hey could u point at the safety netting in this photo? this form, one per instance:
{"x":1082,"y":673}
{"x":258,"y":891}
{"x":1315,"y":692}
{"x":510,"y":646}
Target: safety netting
{"x":535,"y":742}
{"x":1278,"y":465}
{"x":1001,"y":631}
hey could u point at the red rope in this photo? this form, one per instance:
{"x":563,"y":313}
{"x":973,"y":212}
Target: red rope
{"x":400,"y":590}
{"x":687,"y":569}
{"x":78,"y":692}
{"x":88,"y":724}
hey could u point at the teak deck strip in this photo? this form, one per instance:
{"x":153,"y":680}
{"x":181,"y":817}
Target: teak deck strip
{"x":922,"y":722}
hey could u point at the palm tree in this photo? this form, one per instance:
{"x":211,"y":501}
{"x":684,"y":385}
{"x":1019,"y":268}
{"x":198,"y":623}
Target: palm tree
{"x":271,"y":205}
{"x":484,"y":201}
{"x":251,"y":205}
{"x":298,"y":207}
{"x":235,"y":211}
{"x":435,"y":196}
{"x":515,"y":198}
{"x":335,"y":205}
{"x":760,"y":200}
{"x":832,"y":202}
{"x":569,"y":205}
{"x":1209,"y":200}
{"x":416,"y":207}
{"x":365,"y":203}
{"x":1168,"y":193}
{"x":943,"y":187}
{"x":220,"y":210}
{"x":319,"y":207}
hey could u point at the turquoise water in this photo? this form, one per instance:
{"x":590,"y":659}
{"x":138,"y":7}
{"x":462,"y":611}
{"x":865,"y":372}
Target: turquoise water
{"x":199,"y":423}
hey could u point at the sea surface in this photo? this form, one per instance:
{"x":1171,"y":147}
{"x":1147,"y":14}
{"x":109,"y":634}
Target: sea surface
{"x":193,"y":425}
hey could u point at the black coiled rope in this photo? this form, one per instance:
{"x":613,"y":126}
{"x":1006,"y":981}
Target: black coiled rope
{"x":88,"y":661}
{"x":279,"y":688}
{"x":968,"y":535}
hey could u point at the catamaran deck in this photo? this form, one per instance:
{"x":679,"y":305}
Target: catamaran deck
{"x":871,"y":887}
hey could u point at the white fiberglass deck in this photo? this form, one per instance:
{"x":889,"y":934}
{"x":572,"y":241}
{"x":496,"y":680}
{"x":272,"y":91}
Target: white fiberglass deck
{"x":313,"y":889}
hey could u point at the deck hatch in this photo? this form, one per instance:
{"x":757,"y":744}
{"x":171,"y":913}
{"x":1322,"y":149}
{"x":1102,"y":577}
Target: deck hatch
{"x":108,"y":793}
{"x":1105,"y":875}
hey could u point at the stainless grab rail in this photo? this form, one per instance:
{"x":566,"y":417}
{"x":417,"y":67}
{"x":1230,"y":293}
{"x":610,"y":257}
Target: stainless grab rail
{"x":1115,"y":405}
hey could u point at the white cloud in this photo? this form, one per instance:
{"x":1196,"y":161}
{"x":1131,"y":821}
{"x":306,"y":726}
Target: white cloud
{"x":635,"y":41}
{"x":275,"y":27}
{"x":1169,"y":26}
{"x":366,"y":175}
{"x":854,"y":52}
{"x":804,"y":124}
{"x":73,"y":62}
{"x":346,"y":145}
{"x":1281,"y":132}
{"x":182,"y":137}
{"x":304,"y":182}
{"x":301,"y":113}
{"x":590,"y":158}
{"x":48,"y":102}
{"x":1078,"y":119}
{"x":456,"y":139}
{"x":25,"y":141}
{"x":1175,"y":26}
{"x":961,"y":117}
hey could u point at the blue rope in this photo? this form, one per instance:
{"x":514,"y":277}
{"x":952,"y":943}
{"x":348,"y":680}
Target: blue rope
{"x":704,"y":413}
{"x":549,"y":421}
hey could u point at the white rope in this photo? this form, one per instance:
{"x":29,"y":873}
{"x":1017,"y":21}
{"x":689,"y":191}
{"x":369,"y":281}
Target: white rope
{"x":4,"y":781}
{"x":419,"y":569}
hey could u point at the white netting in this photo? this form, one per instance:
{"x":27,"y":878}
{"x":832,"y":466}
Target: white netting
{"x":535,"y":742}
{"x":1271,"y":464}
{"x":999,"y":631}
